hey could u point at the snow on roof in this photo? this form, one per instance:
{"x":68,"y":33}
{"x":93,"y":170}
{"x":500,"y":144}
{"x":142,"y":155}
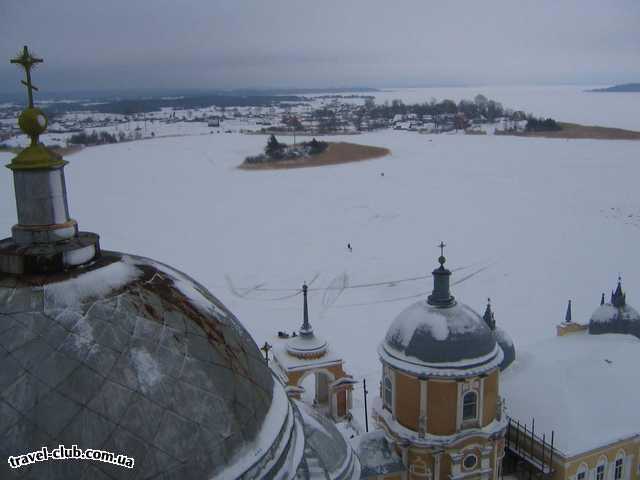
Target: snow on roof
{"x":581,"y":386}
{"x":91,"y":284}
{"x":376,"y":457}
{"x":439,"y":337}
{"x":608,"y":313}
{"x":325,"y":447}
{"x":438,"y":322}
{"x":290,"y":363}
{"x":279,"y":418}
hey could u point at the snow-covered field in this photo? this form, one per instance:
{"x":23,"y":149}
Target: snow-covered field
{"x":528,"y":222}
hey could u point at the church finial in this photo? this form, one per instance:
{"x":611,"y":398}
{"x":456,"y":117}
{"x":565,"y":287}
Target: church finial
{"x":488,"y":316}
{"x":441,"y":295}
{"x":306,"y":328}
{"x":33,"y":122}
{"x":27,"y":61}
{"x":602,"y":299}
{"x":567,"y":316}
{"x":45,"y":239}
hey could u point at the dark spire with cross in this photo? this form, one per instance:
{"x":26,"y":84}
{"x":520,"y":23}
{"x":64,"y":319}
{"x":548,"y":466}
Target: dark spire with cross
{"x":441,"y":295}
{"x":306,"y":328}
{"x":567,"y":316}
{"x":618,"y":298}
{"x":27,"y":61}
{"x":488,"y":316}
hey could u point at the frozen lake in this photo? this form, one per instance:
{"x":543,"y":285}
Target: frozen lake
{"x":528,"y":222}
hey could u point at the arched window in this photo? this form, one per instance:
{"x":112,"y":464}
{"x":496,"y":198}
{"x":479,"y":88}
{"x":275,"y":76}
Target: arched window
{"x":582,"y":472}
{"x":618,"y":468}
{"x":601,"y":468}
{"x":470,"y":406}
{"x":388,"y":394}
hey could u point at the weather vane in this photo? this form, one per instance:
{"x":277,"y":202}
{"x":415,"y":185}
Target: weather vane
{"x":27,"y":61}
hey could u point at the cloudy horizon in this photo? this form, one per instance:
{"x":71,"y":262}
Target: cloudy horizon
{"x":199,"y":44}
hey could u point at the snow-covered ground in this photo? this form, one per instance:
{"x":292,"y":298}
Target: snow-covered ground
{"x":528,"y":222}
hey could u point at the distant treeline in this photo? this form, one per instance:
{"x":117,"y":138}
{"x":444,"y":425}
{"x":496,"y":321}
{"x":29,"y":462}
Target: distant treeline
{"x":147,"y":105}
{"x":94,"y":138}
{"x":103,"y":137}
{"x":480,"y":106}
{"x":542,"y":125}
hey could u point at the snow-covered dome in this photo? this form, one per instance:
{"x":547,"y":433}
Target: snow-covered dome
{"x":616,"y":316}
{"x":131,"y":356}
{"x":327,"y":454}
{"x":506,"y":344}
{"x":440,"y":336}
{"x":436,"y":335}
{"x":502,"y":337}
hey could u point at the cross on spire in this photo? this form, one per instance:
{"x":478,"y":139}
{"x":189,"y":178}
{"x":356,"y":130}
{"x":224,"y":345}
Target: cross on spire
{"x":442,"y":258}
{"x":27,"y":61}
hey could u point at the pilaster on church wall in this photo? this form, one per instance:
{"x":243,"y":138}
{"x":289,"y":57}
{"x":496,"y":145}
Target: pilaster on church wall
{"x":442,"y":406}
{"x":407,"y":390}
{"x":490,"y":400}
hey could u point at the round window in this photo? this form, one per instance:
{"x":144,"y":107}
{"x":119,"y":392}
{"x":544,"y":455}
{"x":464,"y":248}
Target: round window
{"x":470,"y":461}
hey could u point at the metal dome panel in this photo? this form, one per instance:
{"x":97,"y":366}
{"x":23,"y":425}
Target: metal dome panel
{"x":131,"y":356}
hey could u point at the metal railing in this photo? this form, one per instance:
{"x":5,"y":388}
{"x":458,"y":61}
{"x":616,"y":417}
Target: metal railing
{"x":535,"y":450}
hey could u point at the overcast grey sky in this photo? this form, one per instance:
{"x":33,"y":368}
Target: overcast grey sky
{"x":114,"y":44}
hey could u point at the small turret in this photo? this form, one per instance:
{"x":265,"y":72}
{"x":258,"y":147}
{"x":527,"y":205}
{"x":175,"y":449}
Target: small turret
{"x":618,"y":297}
{"x":567,"y":316}
{"x":488,"y":316}
{"x":306,"y":344}
{"x":569,"y":326}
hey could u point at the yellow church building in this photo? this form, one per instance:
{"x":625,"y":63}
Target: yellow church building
{"x":439,"y":412}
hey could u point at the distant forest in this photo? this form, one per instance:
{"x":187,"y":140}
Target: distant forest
{"x":147,"y":105}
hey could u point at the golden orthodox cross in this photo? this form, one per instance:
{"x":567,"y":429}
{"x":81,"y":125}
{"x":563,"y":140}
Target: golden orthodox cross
{"x":27,"y":61}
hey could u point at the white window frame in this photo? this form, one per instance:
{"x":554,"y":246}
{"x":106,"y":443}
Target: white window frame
{"x":620,"y":457}
{"x":475,"y":465}
{"x":476,"y":406}
{"x":602,"y":462}
{"x":583,"y":470}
